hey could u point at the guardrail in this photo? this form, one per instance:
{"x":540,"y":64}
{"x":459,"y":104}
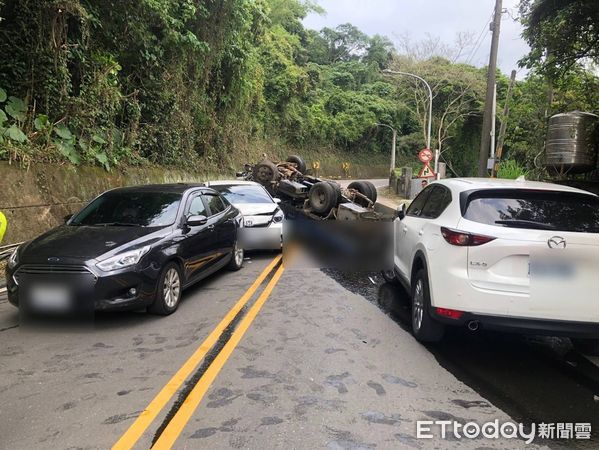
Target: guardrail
{"x":6,"y":250}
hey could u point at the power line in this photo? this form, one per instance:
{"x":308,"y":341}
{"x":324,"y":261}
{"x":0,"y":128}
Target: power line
{"x":480,"y":40}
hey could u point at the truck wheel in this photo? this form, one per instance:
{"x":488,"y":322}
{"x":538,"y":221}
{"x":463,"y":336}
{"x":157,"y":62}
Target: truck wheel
{"x":298,"y":161}
{"x":265,"y":172}
{"x":586,"y":346}
{"x":373,"y":192}
{"x":424,"y":327}
{"x":337,"y":189}
{"x":363,"y":188}
{"x":322,"y":197}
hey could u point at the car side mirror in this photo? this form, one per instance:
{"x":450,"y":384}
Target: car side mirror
{"x":195,"y":220}
{"x":67,"y":217}
{"x":277,"y":200}
{"x":401,"y":211}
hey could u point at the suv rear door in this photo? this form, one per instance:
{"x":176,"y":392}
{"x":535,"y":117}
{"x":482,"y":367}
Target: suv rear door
{"x":545,"y":258}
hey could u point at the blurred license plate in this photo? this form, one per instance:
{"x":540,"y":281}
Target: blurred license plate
{"x":50,"y":297}
{"x":564,"y":270}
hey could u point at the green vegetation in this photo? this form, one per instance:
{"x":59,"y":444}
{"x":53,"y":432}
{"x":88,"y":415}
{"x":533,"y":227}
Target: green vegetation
{"x":510,"y":170}
{"x":209,"y":85}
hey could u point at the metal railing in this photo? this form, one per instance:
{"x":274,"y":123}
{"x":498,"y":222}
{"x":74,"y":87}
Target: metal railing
{"x":6,"y":250}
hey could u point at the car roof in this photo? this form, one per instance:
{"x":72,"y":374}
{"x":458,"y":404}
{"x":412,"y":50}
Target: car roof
{"x":232,"y":183}
{"x":468,"y":184}
{"x":177,"y":188}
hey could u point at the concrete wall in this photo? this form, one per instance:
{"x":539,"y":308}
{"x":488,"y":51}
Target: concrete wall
{"x":38,"y":198}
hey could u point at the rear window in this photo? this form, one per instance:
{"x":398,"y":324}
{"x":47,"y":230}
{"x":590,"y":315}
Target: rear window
{"x":545,"y":210}
{"x":244,"y":193}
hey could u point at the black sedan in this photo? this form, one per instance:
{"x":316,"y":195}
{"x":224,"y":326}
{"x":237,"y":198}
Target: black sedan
{"x":129,"y":248}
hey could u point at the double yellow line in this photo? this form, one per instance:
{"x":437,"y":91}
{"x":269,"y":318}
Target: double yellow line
{"x":189,"y":405}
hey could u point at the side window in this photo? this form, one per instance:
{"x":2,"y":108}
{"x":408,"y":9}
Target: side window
{"x":215,"y":203}
{"x":197,"y":207}
{"x":438,"y":200}
{"x":416,"y":206}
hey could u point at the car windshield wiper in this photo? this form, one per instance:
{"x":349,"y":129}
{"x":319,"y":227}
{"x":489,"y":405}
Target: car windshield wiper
{"x":517,"y":223}
{"x":116,"y":224}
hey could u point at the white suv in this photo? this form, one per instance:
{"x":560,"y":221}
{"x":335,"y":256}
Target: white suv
{"x":501,"y":254}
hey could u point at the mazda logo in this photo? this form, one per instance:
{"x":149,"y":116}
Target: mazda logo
{"x":556,"y":242}
{"x":53,"y":259}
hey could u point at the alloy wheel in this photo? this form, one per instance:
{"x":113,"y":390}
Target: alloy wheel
{"x":238,"y":255}
{"x":171,"y":288}
{"x":418,"y":305}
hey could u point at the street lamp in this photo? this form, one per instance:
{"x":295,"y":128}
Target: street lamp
{"x":430,"y":111}
{"x":392,"y":143}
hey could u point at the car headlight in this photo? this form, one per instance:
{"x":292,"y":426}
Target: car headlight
{"x":126,"y":259}
{"x":13,"y":260}
{"x":279,"y":216}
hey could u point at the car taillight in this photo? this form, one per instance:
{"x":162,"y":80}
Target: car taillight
{"x":450,"y":313}
{"x":463,"y":239}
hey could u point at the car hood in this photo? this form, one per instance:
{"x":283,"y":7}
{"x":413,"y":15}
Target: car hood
{"x":256,"y":209}
{"x":81,"y":242}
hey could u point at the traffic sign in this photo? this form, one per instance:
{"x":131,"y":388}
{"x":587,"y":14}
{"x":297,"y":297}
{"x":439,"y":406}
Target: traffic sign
{"x":427,"y":172}
{"x":425,"y":155}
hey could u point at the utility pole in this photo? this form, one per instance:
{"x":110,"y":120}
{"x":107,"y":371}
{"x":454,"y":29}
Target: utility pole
{"x":430,"y":110}
{"x":394,"y":140}
{"x":503,"y":127}
{"x":485,"y":139}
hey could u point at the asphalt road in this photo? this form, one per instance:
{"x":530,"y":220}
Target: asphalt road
{"x":378,"y":182}
{"x":319,"y":366}
{"x":315,"y":359}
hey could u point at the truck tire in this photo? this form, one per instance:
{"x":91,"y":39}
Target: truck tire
{"x":363,"y":188}
{"x":265,"y":172}
{"x":322,"y":197}
{"x":424,"y":327}
{"x":298,"y":161}
{"x":373,"y":192}
{"x":337,"y":189}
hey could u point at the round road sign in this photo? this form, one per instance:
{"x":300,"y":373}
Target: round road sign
{"x":425,"y":155}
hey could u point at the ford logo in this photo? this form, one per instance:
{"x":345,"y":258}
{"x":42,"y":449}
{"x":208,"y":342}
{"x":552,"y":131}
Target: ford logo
{"x":53,"y":259}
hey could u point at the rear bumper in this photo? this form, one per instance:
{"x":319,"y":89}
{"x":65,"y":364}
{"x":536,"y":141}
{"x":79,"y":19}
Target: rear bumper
{"x":524,"y":325}
{"x":262,"y":238}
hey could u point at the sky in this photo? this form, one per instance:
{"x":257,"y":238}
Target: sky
{"x":438,"y":18}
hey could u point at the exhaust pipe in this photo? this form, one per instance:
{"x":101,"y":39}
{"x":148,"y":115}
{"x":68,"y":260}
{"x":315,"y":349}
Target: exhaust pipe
{"x":473,"y":325}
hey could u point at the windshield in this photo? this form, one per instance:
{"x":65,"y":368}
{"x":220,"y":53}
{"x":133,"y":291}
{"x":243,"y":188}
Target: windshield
{"x":547,"y":210}
{"x":244,"y":194}
{"x":126,"y":208}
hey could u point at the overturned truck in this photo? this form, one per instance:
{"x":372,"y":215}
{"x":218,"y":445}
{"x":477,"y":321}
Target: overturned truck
{"x":304,"y":194}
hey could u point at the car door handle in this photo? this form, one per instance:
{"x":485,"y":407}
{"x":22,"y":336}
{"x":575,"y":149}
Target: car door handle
{"x":405,"y":229}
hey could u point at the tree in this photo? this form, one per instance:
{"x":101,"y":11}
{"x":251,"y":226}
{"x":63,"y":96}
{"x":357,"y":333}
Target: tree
{"x":458,"y":91}
{"x":344,"y":43}
{"x":561,"y":34}
{"x":379,"y":51}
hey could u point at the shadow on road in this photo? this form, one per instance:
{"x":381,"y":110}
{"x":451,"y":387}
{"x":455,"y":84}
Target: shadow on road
{"x":534,"y":379}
